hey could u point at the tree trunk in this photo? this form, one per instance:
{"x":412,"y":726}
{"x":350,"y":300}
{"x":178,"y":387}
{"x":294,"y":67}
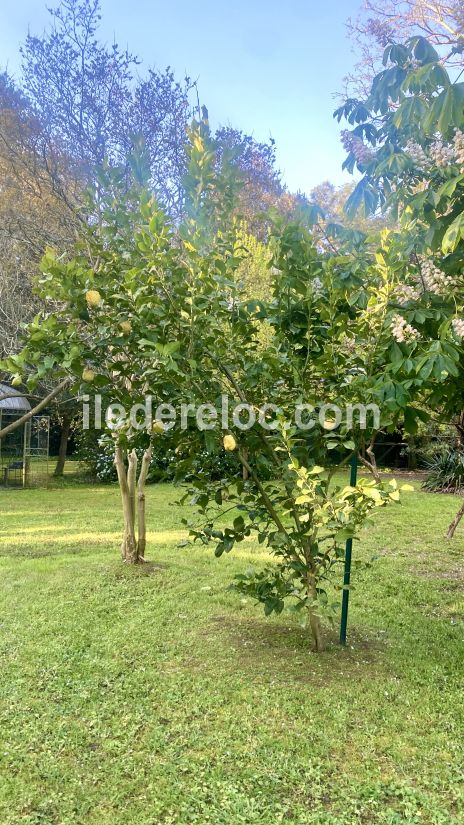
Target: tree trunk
{"x":453,"y":526}
{"x":132,"y":481}
{"x":64,"y":438}
{"x":412,"y":454}
{"x":370,"y":462}
{"x":142,"y":530}
{"x":370,"y":465}
{"x":314,"y":620}
{"x":459,"y":424}
{"x":129,"y":544}
{"x":133,"y":504}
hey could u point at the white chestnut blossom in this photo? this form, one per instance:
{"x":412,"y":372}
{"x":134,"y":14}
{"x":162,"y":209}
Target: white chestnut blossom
{"x":441,"y":153}
{"x":459,"y":146}
{"x":417,"y":154}
{"x":401,"y":331}
{"x":458,"y":327}
{"x":353,"y":143}
{"x":433,"y":279}
{"x":405,"y":293}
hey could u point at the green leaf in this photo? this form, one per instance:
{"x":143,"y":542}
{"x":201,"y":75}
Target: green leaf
{"x":448,"y":188}
{"x":446,"y":110}
{"x":171,"y":347}
{"x":145,"y":342}
{"x":210,"y":440}
{"x":453,"y":235}
{"x":423,"y":50}
{"x":411,"y":110}
{"x":302,"y":499}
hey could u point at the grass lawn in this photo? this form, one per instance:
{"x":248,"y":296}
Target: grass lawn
{"x":153,"y":695}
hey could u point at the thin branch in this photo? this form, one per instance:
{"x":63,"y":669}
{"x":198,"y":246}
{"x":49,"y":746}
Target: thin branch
{"x":30,"y":414}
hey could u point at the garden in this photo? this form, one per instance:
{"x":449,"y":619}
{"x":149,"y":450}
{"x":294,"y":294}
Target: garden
{"x":226,"y":606}
{"x":151,"y":693}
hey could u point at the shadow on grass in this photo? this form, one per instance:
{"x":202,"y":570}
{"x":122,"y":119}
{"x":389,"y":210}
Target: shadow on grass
{"x":284,"y":650}
{"x":138,"y":571}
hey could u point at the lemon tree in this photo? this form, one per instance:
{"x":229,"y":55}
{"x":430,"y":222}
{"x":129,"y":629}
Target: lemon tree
{"x":149,"y":308}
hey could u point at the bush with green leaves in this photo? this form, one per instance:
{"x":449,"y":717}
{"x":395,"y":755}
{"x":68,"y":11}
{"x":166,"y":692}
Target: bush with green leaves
{"x":445,"y":473}
{"x":97,"y":453}
{"x":431,"y":440}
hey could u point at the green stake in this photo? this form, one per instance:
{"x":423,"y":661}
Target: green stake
{"x":347,"y":573}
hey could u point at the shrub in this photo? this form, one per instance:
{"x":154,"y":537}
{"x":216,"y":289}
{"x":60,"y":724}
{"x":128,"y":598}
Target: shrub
{"x":96,"y":452}
{"x":445,"y":473}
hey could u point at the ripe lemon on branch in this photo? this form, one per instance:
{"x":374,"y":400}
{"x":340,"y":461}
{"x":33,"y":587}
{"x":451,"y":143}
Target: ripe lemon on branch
{"x":229,"y":443}
{"x":93,"y":297}
{"x":126,"y":327}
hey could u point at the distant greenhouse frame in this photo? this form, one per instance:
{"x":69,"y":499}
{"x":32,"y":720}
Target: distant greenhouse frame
{"x":24,"y":452}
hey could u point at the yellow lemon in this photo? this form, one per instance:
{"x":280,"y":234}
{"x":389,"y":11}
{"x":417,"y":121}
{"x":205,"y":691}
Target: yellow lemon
{"x":17,"y":380}
{"x":329,"y":424}
{"x":88,"y":374}
{"x":93,"y":297}
{"x":229,"y":443}
{"x":126,"y":327}
{"x":157,"y":427}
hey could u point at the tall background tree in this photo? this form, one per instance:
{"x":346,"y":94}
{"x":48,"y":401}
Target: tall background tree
{"x":407,"y":141}
{"x":381,"y":22}
{"x":262,"y":187}
{"x":79,"y":105}
{"x":91,"y":103}
{"x":70,"y":122}
{"x":32,"y":213}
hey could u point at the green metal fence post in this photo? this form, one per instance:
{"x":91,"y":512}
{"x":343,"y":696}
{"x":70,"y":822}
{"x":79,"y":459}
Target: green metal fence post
{"x":347,"y":571}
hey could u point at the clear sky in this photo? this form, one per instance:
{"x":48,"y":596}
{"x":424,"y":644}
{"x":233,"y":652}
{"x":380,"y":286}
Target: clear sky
{"x":265,"y":66}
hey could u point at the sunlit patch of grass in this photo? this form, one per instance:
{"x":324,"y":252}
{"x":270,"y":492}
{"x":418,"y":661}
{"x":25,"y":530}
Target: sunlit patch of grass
{"x":155,"y":695}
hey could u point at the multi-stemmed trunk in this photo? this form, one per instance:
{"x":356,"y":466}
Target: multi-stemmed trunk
{"x":133,"y":503}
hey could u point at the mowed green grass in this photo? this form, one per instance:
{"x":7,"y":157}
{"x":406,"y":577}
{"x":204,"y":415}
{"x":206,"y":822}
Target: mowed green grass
{"x":138,"y":696}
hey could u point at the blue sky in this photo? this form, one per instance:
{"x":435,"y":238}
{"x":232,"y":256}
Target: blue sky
{"x":267,"y":67}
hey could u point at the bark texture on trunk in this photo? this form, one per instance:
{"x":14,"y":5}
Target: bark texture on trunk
{"x":367,"y":458}
{"x":370,"y":463}
{"x":314,"y":619}
{"x":142,"y":529}
{"x":454,"y":524}
{"x":133,"y":503}
{"x":64,"y":438}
